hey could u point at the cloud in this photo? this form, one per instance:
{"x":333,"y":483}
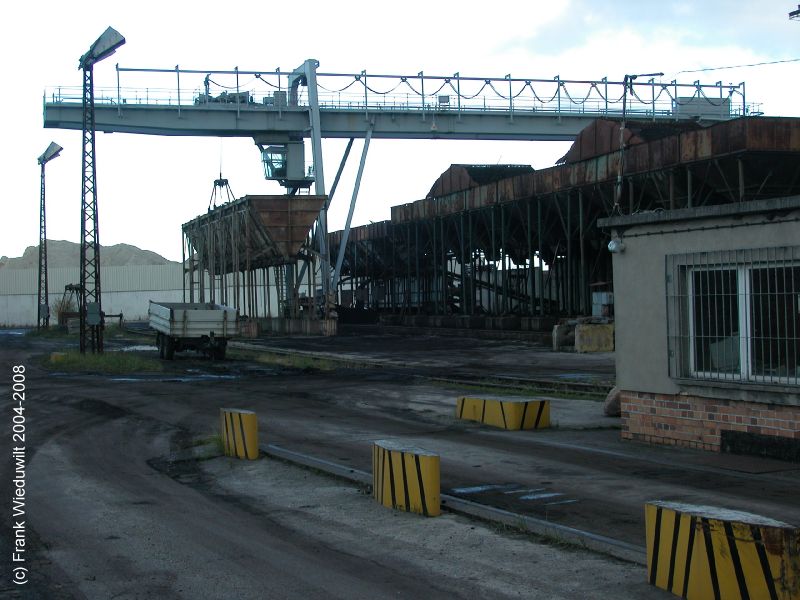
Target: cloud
{"x":149,"y":186}
{"x":761,"y":27}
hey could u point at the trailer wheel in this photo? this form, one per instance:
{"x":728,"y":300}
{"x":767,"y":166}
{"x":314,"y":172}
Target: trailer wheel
{"x":169,"y":347}
{"x":218,"y":353}
{"x":160,"y":344}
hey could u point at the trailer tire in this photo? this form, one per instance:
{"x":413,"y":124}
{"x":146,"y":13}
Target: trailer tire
{"x":218,"y":353}
{"x":169,"y":348}
{"x":160,"y":344}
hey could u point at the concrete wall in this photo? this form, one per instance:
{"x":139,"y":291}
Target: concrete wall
{"x":126,"y":289}
{"x":640,"y":285}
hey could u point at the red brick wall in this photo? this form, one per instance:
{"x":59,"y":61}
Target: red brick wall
{"x":682,"y":420}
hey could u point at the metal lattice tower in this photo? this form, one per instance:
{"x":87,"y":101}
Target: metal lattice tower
{"x":90,"y":309}
{"x":43,"y":304}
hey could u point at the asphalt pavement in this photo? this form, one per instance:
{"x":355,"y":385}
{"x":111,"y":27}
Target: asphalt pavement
{"x":115,"y":510}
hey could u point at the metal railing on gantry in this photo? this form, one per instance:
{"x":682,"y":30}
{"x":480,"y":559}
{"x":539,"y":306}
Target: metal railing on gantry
{"x":259,"y":90}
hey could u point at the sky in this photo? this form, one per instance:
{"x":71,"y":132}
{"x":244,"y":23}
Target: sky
{"x":148,"y":186}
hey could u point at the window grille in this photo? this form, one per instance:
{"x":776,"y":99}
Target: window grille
{"x":735,"y":315}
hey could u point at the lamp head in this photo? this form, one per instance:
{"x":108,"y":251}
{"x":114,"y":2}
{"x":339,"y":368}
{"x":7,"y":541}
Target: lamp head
{"x":616,"y":246}
{"x":103,"y":47}
{"x":53,"y":150}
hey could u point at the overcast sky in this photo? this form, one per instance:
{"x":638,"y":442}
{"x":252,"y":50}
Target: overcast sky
{"x":148,"y":186}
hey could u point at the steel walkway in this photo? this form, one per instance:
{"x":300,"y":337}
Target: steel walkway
{"x":252,"y":104}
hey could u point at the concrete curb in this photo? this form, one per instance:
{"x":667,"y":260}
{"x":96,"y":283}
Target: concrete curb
{"x":584,"y":539}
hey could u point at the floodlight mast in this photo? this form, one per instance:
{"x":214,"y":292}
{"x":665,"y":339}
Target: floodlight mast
{"x":43,"y":315}
{"x":90,"y":309}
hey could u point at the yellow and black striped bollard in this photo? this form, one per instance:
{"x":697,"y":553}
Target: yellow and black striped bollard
{"x":708,"y":553}
{"x":506,"y":413}
{"x":239,"y":430}
{"x":406,"y":478}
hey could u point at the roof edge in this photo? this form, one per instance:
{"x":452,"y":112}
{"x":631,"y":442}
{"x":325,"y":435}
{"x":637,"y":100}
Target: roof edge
{"x":751,"y":207}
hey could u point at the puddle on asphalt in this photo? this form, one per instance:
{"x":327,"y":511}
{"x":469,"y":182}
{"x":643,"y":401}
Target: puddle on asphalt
{"x":479,"y":489}
{"x":140,"y":348}
{"x":190,"y":376}
{"x":540,"y":496}
{"x":578,"y":376}
{"x":176,"y":378}
{"x":508,"y":495}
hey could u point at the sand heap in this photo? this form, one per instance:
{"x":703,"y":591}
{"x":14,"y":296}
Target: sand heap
{"x":61,"y":253}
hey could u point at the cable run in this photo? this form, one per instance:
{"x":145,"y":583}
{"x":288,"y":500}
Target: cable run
{"x":758,"y":64}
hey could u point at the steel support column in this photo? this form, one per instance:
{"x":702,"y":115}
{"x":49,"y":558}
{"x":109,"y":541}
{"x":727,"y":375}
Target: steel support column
{"x":91,"y":324}
{"x":541,"y":254}
{"x":346,"y":232}
{"x":43,"y":305}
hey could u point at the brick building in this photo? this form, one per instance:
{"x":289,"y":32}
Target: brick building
{"x":708,"y":326}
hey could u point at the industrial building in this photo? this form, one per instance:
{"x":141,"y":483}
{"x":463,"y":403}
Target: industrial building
{"x":708,"y":326}
{"x":504,"y":247}
{"x":495,"y":246}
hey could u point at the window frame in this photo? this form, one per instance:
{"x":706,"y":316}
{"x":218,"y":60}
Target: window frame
{"x":743,"y":304}
{"x":681,"y":314}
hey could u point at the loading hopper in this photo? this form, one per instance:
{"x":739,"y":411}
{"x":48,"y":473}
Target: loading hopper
{"x":258,"y":231}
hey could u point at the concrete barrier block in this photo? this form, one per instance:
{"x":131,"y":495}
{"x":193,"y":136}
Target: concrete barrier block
{"x":390,"y":320}
{"x":505,"y":413}
{"x":406,"y":477}
{"x":700,"y":552}
{"x":449,"y":321}
{"x":594,"y":338}
{"x":538,"y":323}
{"x":249,"y":328}
{"x":477,"y":322}
{"x":73,"y":326}
{"x":239,"y":430}
{"x":563,"y":335}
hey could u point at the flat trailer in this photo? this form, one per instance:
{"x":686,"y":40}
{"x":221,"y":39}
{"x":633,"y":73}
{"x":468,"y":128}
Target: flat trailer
{"x":203,"y":327}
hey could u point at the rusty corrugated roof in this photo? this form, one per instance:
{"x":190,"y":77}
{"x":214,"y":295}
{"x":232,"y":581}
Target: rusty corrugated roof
{"x":463,"y":177}
{"x":601,"y":136}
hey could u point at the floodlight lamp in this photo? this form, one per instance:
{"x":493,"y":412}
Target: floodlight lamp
{"x":616,"y":246}
{"x":53,"y":150}
{"x":103,"y":47}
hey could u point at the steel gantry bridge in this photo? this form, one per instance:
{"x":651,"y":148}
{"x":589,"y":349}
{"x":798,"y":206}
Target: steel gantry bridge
{"x":279,"y":109}
{"x":239,"y":103}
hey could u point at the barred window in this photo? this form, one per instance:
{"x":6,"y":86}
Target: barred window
{"x":735,"y":315}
